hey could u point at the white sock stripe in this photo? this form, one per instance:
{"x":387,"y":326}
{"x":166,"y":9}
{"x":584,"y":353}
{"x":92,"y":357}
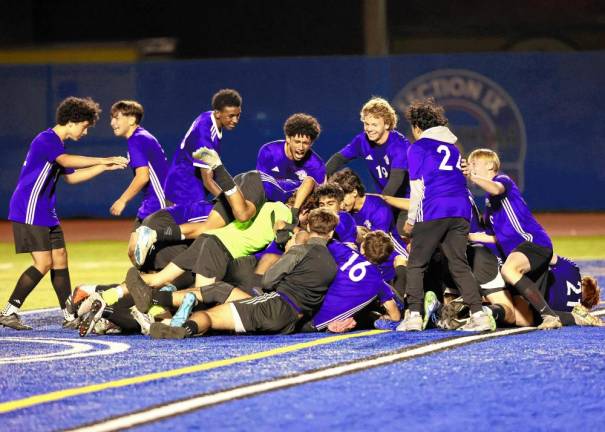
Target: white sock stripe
{"x":33,"y":197}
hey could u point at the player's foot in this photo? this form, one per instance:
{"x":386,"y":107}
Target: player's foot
{"x":80,"y":293}
{"x":386,"y":324}
{"x":73,"y":323}
{"x":181,"y":315}
{"x":13,"y":321}
{"x":479,"y":322}
{"x":583,"y":317}
{"x":209,"y":156}
{"x":104,"y":326}
{"x":411,"y":322}
{"x":550,"y":322}
{"x":144,"y":320}
{"x":455,"y":314}
{"x":431,"y":308}
{"x":92,"y":316}
{"x":146,"y":238}
{"x":163,"y":331}
{"x":138,"y":289}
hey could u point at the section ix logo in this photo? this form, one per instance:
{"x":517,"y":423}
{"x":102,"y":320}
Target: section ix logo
{"x":480,"y":112}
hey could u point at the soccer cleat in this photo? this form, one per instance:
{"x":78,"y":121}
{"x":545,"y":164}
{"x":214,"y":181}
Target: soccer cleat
{"x":411,"y":322}
{"x":181,"y":315}
{"x":13,"y":321}
{"x":144,"y":320}
{"x":163,"y":331}
{"x":455,"y":314}
{"x":432,"y":305}
{"x":80,"y":293}
{"x":209,"y":156}
{"x":550,"y":322}
{"x":583,"y":317}
{"x":386,"y":324}
{"x":72,"y":324}
{"x":89,"y":320}
{"x":146,"y":238}
{"x":479,"y":322}
{"x":138,"y":289}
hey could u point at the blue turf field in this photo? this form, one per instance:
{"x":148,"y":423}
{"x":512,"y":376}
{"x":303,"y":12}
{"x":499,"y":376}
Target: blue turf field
{"x":523,"y":381}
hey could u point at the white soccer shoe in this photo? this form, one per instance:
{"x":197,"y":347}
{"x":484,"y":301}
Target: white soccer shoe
{"x":146,"y":238}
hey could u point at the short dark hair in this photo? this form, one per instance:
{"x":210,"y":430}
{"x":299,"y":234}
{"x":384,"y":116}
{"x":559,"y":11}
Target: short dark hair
{"x":128,"y":108}
{"x":330,"y":190}
{"x":377,"y":246}
{"x":226,"y":98}
{"x":321,"y":221}
{"x":425,"y":114}
{"x":348,"y":181}
{"x":303,"y":125}
{"x":76,"y":110}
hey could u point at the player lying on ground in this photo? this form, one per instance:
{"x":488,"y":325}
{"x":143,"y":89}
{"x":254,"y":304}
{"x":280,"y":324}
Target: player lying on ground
{"x":36,"y":227}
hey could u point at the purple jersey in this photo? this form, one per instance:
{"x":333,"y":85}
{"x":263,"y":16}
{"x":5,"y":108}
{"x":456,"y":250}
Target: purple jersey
{"x":346,"y":230}
{"x":437,"y":165}
{"x":183,"y":182}
{"x":272,"y":160}
{"x":380,"y":159}
{"x":33,"y":201}
{"x":357,"y":283}
{"x":278,"y":190}
{"x":478,"y":226}
{"x":190,"y":213}
{"x":375,"y":214}
{"x":145,"y":151}
{"x":510,"y":218}
{"x":564,"y":285}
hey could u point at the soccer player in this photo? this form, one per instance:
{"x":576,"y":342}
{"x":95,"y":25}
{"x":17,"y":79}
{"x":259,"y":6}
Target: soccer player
{"x":183,"y":184}
{"x":293,"y":160}
{"x":439,"y":214}
{"x":330,"y":196}
{"x":526,"y":245}
{"x":371,"y":212}
{"x":147,"y":160}
{"x":36,"y":227}
{"x":297,"y":283}
{"x":382,"y":147}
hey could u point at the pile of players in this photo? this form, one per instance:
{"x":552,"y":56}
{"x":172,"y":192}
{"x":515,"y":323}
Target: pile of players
{"x":298,"y":245}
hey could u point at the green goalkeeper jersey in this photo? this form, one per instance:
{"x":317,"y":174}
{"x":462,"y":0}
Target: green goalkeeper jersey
{"x":245,"y":238}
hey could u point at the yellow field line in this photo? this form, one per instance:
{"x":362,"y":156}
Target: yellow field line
{"x":77,"y":391}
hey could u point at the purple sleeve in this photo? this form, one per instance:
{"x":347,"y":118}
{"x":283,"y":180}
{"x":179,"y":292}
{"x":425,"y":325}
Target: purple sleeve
{"x":383,"y":219}
{"x":506,"y":181}
{"x":415,"y":157}
{"x":353,"y":149}
{"x":264,"y":160}
{"x":136,"y":156}
{"x":385,"y":293}
{"x":318,"y":170}
{"x":52,"y":149}
{"x":203,"y":139}
{"x":399,"y":156}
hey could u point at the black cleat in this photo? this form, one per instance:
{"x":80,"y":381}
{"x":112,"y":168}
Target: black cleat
{"x":163,"y":331}
{"x":91,"y":317}
{"x":139,"y":290}
{"x":13,"y":321}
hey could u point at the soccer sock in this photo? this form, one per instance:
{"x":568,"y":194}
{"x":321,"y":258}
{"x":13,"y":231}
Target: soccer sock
{"x":26,"y":283}
{"x":162,"y":298}
{"x":223,"y":179}
{"x":170,"y":233}
{"x":191,"y":327}
{"x":498,"y":312}
{"x":400,"y":280}
{"x":566,"y":318}
{"x":528,"y":290}
{"x":112,"y":295}
{"x":62,"y":284}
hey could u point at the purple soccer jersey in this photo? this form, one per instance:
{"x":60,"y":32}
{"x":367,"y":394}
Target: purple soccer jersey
{"x":478,"y":226}
{"x":272,"y":160}
{"x":437,"y":165}
{"x":356,"y":284}
{"x":510,"y":218}
{"x":193,"y":212}
{"x":564,"y":285}
{"x":145,"y":151}
{"x":278,"y":189}
{"x":183,"y":184}
{"x":380,"y":159}
{"x":375,"y":214}
{"x":33,"y":201}
{"x":346,"y":230}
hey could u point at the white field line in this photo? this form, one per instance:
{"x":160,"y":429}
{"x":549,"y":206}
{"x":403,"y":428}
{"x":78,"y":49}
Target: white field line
{"x":195,"y":403}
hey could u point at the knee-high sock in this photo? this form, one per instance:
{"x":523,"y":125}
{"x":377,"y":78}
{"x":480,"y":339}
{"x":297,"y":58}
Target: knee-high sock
{"x":25,"y":285}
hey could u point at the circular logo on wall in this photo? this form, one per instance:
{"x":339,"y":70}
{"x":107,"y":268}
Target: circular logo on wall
{"x":480,"y":112}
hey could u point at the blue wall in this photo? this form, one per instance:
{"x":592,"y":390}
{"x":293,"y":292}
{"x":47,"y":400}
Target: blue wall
{"x":557,"y":98}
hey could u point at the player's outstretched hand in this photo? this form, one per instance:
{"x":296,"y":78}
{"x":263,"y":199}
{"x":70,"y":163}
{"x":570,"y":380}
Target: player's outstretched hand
{"x":407,"y":230}
{"x":466,"y":168}
{"x":116,"y":160}
{"x":209,"y":156}
{"x":117,"y":207}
